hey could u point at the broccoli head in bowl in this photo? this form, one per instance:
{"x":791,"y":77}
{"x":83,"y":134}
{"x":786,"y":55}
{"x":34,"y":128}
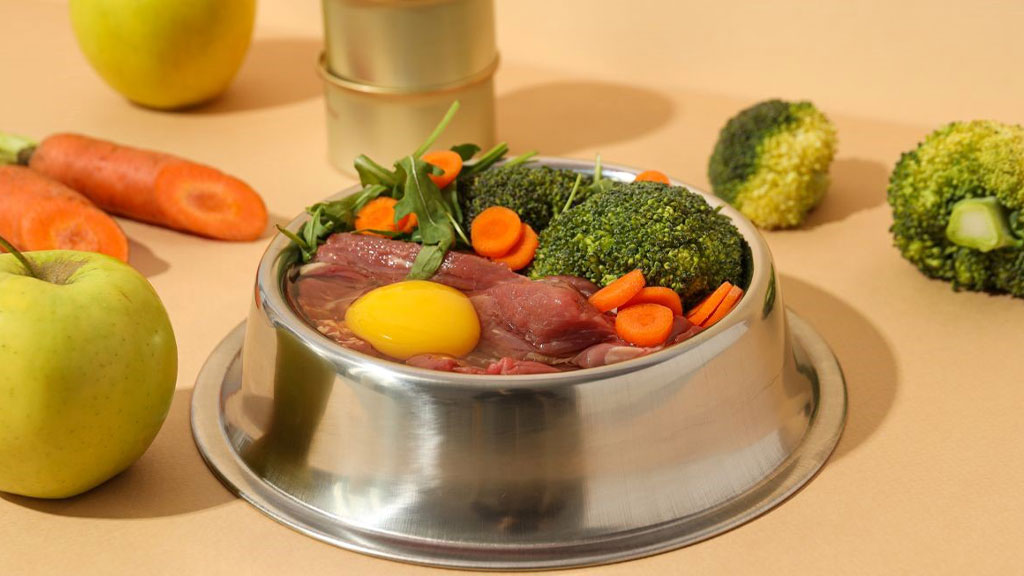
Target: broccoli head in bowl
{"x":957,"y":204}
{"x":536,"y":193}
{"x":670,"y":233}
{"x":771,"y":162}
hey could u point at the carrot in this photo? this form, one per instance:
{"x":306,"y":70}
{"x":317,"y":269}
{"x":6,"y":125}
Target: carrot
{"x":727,"y":304}
{"x":522,"y":253}
{"x":37,"y":213}
{"x":652,"y":176}
{"x":495,"y":231}
{"x":703,"y":311}
{"x":447,"y":160}
{"x":153,"y":187}
{"x":644,"y":324}
{"x":379,"y":214}
{"x":618,"y":292}
{"x":658,"y":295}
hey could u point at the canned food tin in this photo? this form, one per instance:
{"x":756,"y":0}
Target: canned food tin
{"x":387,"y":124}
{"x":413,"y":44}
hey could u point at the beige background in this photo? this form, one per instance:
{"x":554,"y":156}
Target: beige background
{"x":927,"y":477}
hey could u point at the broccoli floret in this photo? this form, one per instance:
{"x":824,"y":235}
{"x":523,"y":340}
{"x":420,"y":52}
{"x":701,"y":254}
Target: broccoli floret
{"x":771,"y":162}
{"x":957,"y":204}
{"x":536,"y":193}
{"x":668,"y":232}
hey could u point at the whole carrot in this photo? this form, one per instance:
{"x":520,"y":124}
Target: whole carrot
{"x":151,"y":186}
{"x":37,"y":213}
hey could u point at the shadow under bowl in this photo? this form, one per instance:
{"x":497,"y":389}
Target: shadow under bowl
{"x":528,"y":471}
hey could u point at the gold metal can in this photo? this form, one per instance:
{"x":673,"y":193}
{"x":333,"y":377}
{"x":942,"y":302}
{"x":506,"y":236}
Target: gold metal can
{"x":419,"y":45}
{"x":387,"y":124}
{"x":391,"y":69}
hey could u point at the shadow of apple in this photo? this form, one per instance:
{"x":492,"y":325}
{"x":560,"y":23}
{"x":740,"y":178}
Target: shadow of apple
{"x":276,"y":72}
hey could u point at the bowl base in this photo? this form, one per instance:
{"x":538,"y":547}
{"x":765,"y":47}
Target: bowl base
{"x":220,"y":377}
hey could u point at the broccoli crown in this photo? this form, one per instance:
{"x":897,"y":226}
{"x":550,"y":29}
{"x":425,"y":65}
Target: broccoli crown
{"x":668,"y":232}
{"x":535,"y":193}
{"x":979,"y":159}
{"x":771,"y":162}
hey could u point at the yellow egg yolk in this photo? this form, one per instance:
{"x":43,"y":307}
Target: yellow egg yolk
{"x":415,"y":317}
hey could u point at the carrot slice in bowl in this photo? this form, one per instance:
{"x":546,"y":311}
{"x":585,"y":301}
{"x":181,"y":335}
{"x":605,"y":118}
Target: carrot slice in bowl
{"x":522,"y":253}
{"x":619,"y":291}
{"x":659,"y":295}
{"x":644,"y":324}
{"x":652,"y":176}
{"x":703,"y":311}
{"x":379,"y":214}
{"x":447,"y":160}
{"x":728,"y":303}
{"x":495,"y":231}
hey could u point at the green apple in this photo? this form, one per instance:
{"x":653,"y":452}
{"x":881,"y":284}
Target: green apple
{"x":165,"y":53}
{"x":88,"y":364}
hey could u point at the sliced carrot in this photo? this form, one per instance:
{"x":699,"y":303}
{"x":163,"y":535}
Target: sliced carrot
{"x":208,"y":202}
{"x":619,"y":291}
{"x":37,"y":213}
{"x":658,"y":295}
{"x":728,"y":303}
{"x":652,"y":176}
{"x":522,"y":253}
{"x":379,"y":214}
{"x":446,"y":160}
{"x":495,"y":231}
{"x":644,"y":324}
{"x":703,"y":311}
{"x":153,"y":187}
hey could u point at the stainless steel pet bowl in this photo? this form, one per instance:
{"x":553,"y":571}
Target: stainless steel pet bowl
{"x":520,"y":472}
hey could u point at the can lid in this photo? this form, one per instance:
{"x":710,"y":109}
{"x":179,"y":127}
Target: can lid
{"x":409,"y":44}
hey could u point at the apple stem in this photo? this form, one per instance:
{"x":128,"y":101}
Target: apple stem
{"x":21,"y":257}
{"x":15,"y":149}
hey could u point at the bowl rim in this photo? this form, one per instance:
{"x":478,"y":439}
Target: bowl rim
{"x":269,"y":291}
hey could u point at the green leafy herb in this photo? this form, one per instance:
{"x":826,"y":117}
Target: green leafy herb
{"x":522,"y":158}
{"x":372,"y":173}
{"x":424,"y":198}
{"x":466,"y":151}
{"x":484,"y":162}
{"x":438,"y":212}
{"x":600,"y":182}
{"x":572,"y":194}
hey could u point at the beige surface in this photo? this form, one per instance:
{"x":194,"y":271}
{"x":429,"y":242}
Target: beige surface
{"x":927,"y":477}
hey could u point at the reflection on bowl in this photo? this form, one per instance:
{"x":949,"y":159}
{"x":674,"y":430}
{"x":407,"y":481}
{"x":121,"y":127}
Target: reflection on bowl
{"x":525,"y":471}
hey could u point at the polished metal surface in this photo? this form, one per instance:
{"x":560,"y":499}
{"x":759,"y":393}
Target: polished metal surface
{"x":519,"y":472}
{"x":386,"y":124}
{"x":419,"y":46}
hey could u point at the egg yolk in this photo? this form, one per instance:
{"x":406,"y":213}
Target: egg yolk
{"x":415,"y":317}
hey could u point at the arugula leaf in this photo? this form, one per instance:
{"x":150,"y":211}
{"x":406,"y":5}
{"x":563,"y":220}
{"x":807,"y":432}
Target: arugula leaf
{"x":371,"y":173}
{"x":438,"y":212}
{"x":422,"y":196}
{"x":453,"y":200}
{"x":427,"y":262}
{"x":326,"y":218}
{"x":466,"y":151}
